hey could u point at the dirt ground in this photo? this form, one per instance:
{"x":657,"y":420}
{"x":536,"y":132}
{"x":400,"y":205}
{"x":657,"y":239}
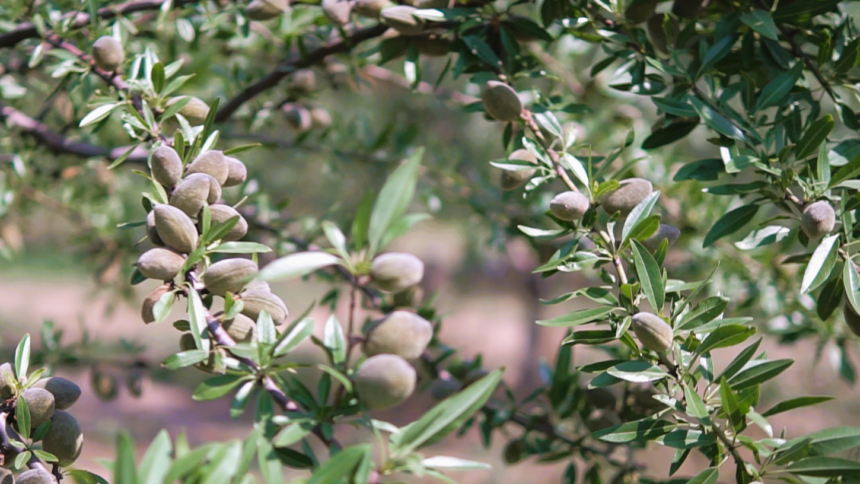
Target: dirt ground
{"x":489,"y":312}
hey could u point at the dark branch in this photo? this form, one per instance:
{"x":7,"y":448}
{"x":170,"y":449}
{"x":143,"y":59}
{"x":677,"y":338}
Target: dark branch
{"x":295,"y":63}
{"x":61,"y":145}
{"x":27,"y":30}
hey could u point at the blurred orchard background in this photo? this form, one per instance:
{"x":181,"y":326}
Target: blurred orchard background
{"x":63,"y":265}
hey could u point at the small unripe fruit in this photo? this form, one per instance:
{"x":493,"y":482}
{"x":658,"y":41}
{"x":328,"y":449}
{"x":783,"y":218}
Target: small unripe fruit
{"x":6,"y":476}
{"x":64,"y":439}
{"x":687,"y":8}
{"x":194,"y":191}
{"x":151,"y":231}
{"x":433,"y":45}
{"x":624,"y":198}
{"x":41,"y":405}
{"x":213,"y":163}
{"x":400,"y":18}
{"x":7,"y":376}
{"x":256,"y":301}
{"x":298,"y":117}
{"x":569,"y":205}
{"x":664,"y":232}
{"x":222,"y":213}
{"x":654,"y":333}
{"x":266,"y":9}
{"x":852,"y":320}
{"x":65,"y":392}
{"x":818,"y":219}
{"x":400,"y":333}
{"x":337,"y":11}
{"x":442,"y":388}
{"x":166,"y":166}
{"x":237,"y":172}
{"x":108,"y":53}
{"x":229,"y":275}
{"x":104,"y":385}
{"x":241,"y":328}
{"x":514,"y":451}
{"x":639,"y":10}
{"x":384,"y":381}
{"x":511,"y":180}
{"x":160,"y":263}
{"x":320,"y":118}
{"x":149,"y":303}
{"x":258,"y":285}
{"x":35,"y":476}
{"x":175,"y":228}
{"x":302,"y":82}
{"x":195,"y":111}
{"x":396,"y":271}
{"x":501,"y":101}
{"x":370,"y":8}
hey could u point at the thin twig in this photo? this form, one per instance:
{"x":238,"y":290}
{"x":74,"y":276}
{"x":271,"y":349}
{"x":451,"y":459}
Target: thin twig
{"x":296,"y":62}
{"x":27,"y":30}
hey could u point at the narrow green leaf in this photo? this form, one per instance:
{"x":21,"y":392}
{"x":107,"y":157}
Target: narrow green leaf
{"x":576,"y":318}
{"x":637,"y":371}
{"x":650,"y":276}
{"x":725,"y":336}
{"x":757,"y":372}
{"x":794,"y":403}
{"x":185,"y":358}
{"x":717,"y":121}
{"x":216,"y":387}
{"x":813,"y":137}
{"x":825,"y":467}
{"x":730,"y":222}
{"x":295,"y":265}
{"x":394,"y":199}
{"x":124,"y":465}
{"x":22,"y":414}
{"x":695,"y":405}
{"x":636,"y":431}
{"x":761,"y":22}
{"x":334,"y":340}
{"x":22,"y":357}
{"x":821,"y":264}
{"x":639,"y":213}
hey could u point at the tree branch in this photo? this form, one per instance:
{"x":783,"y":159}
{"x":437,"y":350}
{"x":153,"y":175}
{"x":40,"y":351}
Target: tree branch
{"x":295,"y":63}
{"x":59,"y":144}
{"x":27,"y":30}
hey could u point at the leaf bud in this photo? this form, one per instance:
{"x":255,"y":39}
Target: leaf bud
{"x":108,"y":53}
{"x":501,"y":101}
{"x":384,"y":381}
{"x":654,"y":333}
{"x":396,"y":271}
